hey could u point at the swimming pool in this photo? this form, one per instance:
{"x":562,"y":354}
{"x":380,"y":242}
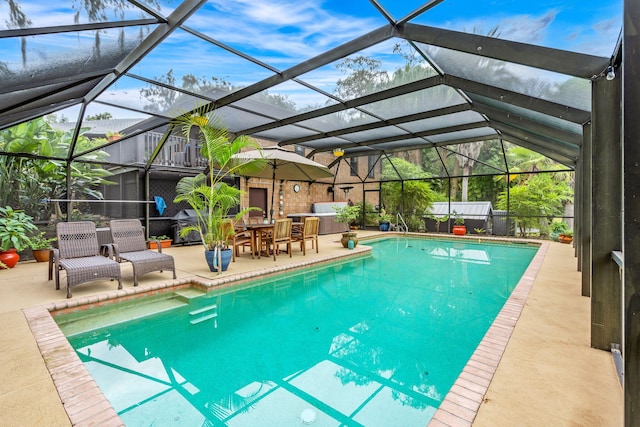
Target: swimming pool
{"x":375,"y":341}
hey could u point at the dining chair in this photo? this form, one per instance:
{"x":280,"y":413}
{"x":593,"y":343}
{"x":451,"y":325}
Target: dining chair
{"x":308,"y":231}
{"x":281,"y":234}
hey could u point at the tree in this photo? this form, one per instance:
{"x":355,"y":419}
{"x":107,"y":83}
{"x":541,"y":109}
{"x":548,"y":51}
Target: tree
{"x":39,"y":179}
{"x":467,"y":158}
{"x":534,"y":200}
{"x":417,"y":194}
{"x":100,"y":116}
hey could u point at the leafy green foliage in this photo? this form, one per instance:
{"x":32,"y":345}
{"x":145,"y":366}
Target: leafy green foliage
{"x":535,"y":199}
{"x":39,"y":179}
{"x":15,"y":228}
{"x":418,"y":195}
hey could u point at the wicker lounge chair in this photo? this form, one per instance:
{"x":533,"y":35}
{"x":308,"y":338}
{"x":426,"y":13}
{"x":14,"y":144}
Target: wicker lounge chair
{"x":129,"y":244}
{"x":78,"y":253}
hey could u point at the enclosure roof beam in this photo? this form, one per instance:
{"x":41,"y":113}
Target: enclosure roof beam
{"x":536,"y":128}
{"x":556,"y":60}
{"x":550,"y":108}
{"x":380,"y":124}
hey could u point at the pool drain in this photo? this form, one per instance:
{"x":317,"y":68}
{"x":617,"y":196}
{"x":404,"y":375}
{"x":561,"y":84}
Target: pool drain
{"x":308,"y":416}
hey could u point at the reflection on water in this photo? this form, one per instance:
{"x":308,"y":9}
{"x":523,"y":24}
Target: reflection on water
{"x":378,"y":341}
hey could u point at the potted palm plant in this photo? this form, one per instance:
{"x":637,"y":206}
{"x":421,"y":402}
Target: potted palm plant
{"x":347,"y":215}
{"x":207,"y":193}
{"x":15,"y":229}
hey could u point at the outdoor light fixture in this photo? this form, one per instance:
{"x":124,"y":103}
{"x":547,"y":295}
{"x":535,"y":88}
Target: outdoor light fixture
{"x":338,"y":152}
{"x":611,"y":74}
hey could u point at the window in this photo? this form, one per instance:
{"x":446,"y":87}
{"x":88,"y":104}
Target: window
{"x":370,"y":165}
{"x":300,"y":150}
{"x":354,"y":166}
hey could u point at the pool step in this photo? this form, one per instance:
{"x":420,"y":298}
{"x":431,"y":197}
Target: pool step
{"x":204,"y":313}
{"x":188,"y":294}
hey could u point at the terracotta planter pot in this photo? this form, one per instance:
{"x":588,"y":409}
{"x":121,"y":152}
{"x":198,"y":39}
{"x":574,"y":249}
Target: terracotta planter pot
{"x":163,"y":244}
{"x":459,"y":230}
{"x":41,"y":255}
{"x":9,"y":258}
{"x":563,"y":238}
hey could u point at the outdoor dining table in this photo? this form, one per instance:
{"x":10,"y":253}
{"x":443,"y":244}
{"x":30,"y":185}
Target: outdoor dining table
{"x":256,"y":230}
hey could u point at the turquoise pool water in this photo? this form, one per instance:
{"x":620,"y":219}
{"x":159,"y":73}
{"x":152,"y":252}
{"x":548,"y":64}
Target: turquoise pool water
{"x":376,"y":341}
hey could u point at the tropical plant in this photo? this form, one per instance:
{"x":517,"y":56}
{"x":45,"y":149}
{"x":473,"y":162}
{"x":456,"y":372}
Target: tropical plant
{"x":347,"y":214}
{"x":161,"y":237}
{"x":413,"y":196}
{"x":533,"y":201}
{"x":41,"y":241}
{"x":15,"y":229}
{"x":439,"y":219}
{"x":208,"y":194}
{"x":458,"y":218}
{"x":384,"y":217}
{"x":47,"y":179}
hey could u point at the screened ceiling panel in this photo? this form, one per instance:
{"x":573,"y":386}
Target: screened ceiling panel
{"x":283,"y":34}
{"x":211,"y":68}
{"x":64,"y":13}
{"x":480,"y":133}
{"x":285,"y":100}
{"x":514,"y":77}
{"x":589,"y":27}
{"x":49,"y":57}
{"x":543,"y":119}
{"x":236,"y":119}
{"x":444,"y":121}
{"x":386,"y":132}
{"x":371,"y":70}
{"x":334,"y":121}
{"x":415,"y":102}
{"x":149,"y":98}
{"x":287,"y":132}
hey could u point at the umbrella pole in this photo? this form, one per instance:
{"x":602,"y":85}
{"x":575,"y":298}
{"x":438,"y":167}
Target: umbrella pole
{"x":273,"y":192}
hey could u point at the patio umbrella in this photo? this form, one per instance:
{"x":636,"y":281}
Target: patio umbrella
{"x":284,"y":165}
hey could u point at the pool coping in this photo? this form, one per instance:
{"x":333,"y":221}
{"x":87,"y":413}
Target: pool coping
{"x":460,"y":406}
{"x":85,"y":403}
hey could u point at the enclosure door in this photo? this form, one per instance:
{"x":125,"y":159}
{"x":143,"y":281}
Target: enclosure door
{"x":258,"y":199}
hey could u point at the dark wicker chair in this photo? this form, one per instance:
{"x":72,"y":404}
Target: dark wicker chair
{"x":78,"y":253}
{"x":129,"y":244}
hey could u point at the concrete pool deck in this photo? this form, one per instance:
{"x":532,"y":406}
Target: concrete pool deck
{"x":548,"y":374}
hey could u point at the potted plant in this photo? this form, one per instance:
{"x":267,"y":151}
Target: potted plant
{"x":41,"y":246}
{"x":15,"y":228}
{"x":566,"y":236}
{"x":556,"y":228}
{"x":347,"y":215}
{"x":208,"y":193}
{"x":459,"y":228}
{"x":162,"y":240}
{"x":384,"y":220}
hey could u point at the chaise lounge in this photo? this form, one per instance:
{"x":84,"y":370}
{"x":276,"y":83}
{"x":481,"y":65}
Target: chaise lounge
{"x":129,"y":244}
{"x":78,"y":253}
